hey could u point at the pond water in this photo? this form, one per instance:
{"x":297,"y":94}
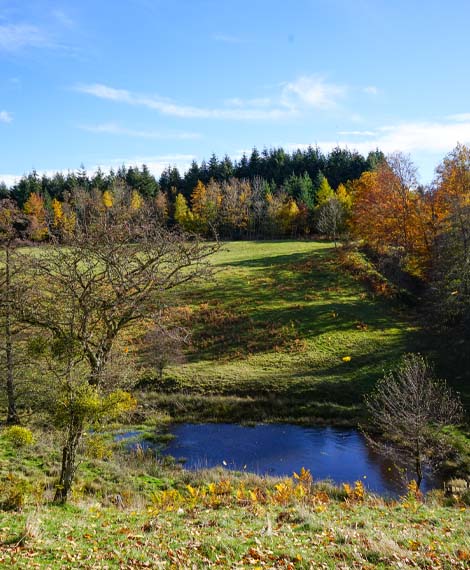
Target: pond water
{"x":341,"y":455}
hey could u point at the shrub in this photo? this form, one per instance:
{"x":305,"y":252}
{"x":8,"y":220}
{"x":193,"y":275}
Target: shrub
{"x":13,"y":490}
{"x":97,"y":447}
{"x":19,"y":436}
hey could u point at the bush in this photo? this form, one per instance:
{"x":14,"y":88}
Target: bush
{"x":13,"y":490}
{"x":19,"y":436}
{"x":97,"y":447}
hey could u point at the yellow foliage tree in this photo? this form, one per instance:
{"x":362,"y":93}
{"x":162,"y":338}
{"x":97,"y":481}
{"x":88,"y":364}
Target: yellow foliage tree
{"x":64,"y":220}
{"x":107,"y":199}
{"x":325,"y":192}
{"x":183,"y":215}
{"x":58,"y":212}
{"x":136,"y":201}
{"x":288,"y":216}
{"x":35,"y":210}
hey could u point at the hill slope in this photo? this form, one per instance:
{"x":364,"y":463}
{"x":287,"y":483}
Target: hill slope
{"x":270,"y":338}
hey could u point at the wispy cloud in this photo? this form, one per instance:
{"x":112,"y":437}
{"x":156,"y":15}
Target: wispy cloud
{"x":168,"y":107}
{"x":460,"y":117}
{"x":118,"y":130}
{"x":293,"y":99}
{"x":14,"y":37}
{"x":371,"y":90}
{"x":5,"y":117}
{"x":358,"y":133}
{"x":63,"y":18}
{"x":256,"y":102}
{"x":313,"y":91}
{"x":422,"y":137}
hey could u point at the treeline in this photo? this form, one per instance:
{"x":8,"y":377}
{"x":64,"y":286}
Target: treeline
{"x":268,"y":194}
{"x":413,"y":230}
{"x":275,"y":166}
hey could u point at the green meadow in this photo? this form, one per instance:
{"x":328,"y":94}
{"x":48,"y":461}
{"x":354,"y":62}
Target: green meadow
{"x":282,"y":332}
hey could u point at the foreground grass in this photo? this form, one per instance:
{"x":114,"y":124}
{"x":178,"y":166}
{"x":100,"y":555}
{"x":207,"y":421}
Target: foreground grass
{"x":270,"y":333}
{"x":129,"y":510}
{"x":336,"y":534}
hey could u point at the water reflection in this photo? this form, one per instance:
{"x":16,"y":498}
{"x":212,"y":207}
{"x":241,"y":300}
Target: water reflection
{"x":341,"y":455}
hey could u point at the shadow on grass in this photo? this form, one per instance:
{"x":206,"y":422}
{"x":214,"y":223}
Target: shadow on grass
{"x":295,"y":298}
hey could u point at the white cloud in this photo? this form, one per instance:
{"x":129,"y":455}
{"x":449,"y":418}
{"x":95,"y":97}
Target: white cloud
{"x":313,"y":91}
{"x":115,"y":129}
{"x":5,"y":117}
{"x":292,"y":100}
{"x":63,"y":18}
{"x":371,"y":90}
{"x":14,"y":37}
{"x":155,"y":163}
{"x":9,"y":179}
{"x":422,"y":137}
{"x":460,"y":117}
{"x":167,"y":107}
{"x":256,"y":102}
{"x":358,"y":133}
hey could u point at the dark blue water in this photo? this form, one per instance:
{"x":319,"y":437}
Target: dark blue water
{"x":341,"y":455}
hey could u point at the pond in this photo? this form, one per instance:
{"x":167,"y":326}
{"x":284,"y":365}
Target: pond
{"x":341,"y":455}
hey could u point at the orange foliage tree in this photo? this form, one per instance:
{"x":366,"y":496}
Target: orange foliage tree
{"x":390,"y":212}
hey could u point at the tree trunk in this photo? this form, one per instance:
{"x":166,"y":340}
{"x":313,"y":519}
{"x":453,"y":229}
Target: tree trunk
{"x":69,"y":458}
{"x":12,"y":414}
{"x":418,"y":466}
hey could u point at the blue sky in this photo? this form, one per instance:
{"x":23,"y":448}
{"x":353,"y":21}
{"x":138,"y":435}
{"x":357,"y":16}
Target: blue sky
{"x":165,"y":81}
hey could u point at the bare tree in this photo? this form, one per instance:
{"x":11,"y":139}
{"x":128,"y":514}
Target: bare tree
{"x":409,"y":408}
{"x":257,"y":205}
{"x":99,"y":285}
{"x":163,"y":345}
{"x":331,"y":218}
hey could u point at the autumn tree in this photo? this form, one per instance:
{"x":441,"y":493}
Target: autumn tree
{"x":450,"y":274}
{"x":161,"y":207}
{"x":408,"y":408}
{"x":35,"y":210}
{"x":388,"y":212}
{"x":103,"y":283}
{"x":258,"y":205}
{"x":183,"y":214}
{"x":324,"y":191}
{"x":205,"y":204}
{"x":288,"y":217}
{"x":235,"y":207}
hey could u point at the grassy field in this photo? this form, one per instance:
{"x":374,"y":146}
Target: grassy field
{"x":270,"y":332}
{"x":130,"y":511}
{"x":179,"y":530}
{"x":270,"y":335}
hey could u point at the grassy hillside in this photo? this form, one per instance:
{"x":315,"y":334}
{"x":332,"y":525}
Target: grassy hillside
{"x":270,"y":337}
{"x":270,"y":334}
